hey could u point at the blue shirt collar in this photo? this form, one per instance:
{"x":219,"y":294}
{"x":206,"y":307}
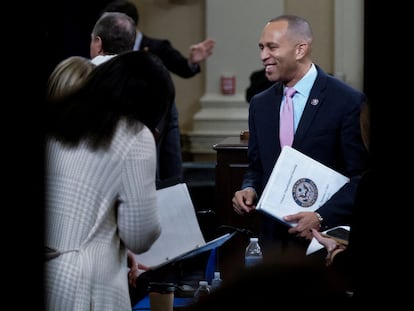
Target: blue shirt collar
{"x":138,"y":40}
{"x":304,"y":85}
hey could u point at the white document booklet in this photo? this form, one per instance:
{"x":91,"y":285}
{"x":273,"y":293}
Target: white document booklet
{"x":181,"y":236}
{"x":298,"y":183}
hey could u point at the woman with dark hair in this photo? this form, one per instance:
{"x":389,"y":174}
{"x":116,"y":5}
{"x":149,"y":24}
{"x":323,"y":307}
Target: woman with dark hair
{"x":100,"y":181}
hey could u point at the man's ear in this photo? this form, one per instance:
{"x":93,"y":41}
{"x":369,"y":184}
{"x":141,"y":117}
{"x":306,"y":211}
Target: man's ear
{"x":99,"y":44}
{"x":301,"y":50}
{"x":96,"y":45}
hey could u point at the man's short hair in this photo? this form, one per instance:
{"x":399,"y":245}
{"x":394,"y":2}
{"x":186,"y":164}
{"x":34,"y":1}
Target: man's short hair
{"x":117,"y":32}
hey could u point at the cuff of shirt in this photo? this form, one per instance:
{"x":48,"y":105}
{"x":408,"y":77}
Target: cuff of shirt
{"x":193,"y":67}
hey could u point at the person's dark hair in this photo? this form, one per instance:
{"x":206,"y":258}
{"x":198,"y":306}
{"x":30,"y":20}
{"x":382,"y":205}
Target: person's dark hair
{"x":134,"y":85}
{"x":117,"y":32}
{"x":123,"y":6}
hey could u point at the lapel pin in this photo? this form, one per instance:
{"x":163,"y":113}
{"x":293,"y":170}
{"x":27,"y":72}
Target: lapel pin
{"x":314,"y":101}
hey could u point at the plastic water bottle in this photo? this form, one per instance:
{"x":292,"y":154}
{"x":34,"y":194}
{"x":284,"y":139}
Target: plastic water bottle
{"x":253,"y":254}
{"x":216,"y":281}
{"x":202,"y":290}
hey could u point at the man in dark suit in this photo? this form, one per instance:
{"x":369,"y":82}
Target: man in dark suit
{"x":326,"y":128}
{"x":170,"y":157}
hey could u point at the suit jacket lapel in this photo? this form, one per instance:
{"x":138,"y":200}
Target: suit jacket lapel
{"x":315,"y":101}
{"x":272,"y":109}
{"x":146,"y":44}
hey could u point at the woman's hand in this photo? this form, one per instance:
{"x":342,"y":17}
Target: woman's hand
{"x":134,"y":272}
{"x":332,"y":246}
{"x":135,"y":269}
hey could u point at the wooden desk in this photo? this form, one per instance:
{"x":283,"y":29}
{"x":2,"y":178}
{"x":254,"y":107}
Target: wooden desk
{"x":230,"y":168}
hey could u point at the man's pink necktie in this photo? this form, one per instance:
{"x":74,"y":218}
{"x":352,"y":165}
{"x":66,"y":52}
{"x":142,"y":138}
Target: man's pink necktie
{"x":286,"y":119}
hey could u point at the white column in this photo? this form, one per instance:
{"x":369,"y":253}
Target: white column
{"x":236,"y":26}
{"x":349,"y":42}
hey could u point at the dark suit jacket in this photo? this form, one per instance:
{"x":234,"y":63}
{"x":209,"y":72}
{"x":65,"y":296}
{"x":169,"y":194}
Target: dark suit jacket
{"x":329,"y":132}
{"x":171,"y":57}
{"x":169,"y":164}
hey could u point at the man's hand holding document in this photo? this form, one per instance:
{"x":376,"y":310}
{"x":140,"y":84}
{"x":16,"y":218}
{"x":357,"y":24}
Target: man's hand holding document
{"x":298,"y":183}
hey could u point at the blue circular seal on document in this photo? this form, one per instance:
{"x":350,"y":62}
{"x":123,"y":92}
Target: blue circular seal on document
{"x":305,"y":192}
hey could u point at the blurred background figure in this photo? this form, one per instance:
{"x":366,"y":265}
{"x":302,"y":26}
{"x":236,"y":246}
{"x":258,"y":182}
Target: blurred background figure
{"x":114,"y":33}
{"x":170,"y":151}
{"x":258,"y":82}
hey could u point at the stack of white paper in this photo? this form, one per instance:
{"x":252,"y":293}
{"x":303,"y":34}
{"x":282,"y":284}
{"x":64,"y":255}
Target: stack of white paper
{"x":181,"y":236}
